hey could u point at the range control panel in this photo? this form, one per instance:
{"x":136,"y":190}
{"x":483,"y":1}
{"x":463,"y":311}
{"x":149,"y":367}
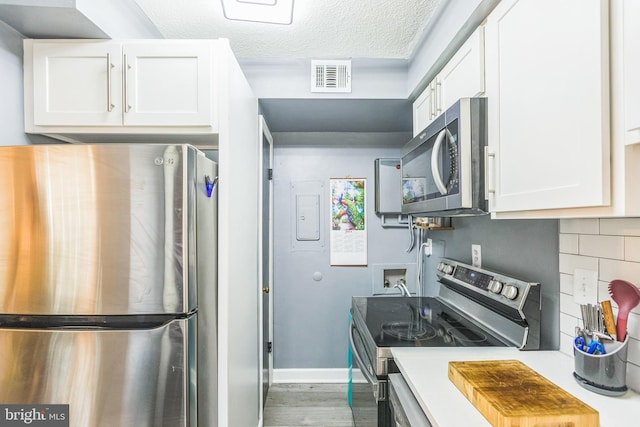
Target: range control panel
{"x":498,"y":287}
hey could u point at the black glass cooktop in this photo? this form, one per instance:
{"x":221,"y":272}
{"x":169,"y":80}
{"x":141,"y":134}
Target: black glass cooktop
{"x":420,"y":322}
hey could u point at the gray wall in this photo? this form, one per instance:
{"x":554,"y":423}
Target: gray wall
{"x":11,"y":88}
{"x":311,"y":317}
{"x":11,"y":101}
{"x":525,"y":249}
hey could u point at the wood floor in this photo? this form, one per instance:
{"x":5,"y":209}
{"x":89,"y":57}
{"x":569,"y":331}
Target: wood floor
{"x":297,"y":405}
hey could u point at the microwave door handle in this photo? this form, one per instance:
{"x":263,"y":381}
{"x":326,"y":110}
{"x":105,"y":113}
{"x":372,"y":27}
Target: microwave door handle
{"x":435,"y":168}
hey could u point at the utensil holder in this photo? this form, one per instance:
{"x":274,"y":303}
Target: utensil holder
{"x":603,"y":373}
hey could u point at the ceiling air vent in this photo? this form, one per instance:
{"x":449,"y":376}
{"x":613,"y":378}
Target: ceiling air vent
{"x":331,"y":76}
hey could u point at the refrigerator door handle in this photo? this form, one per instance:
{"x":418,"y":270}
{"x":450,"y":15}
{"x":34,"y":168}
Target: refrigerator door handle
{"x":211,"y":185}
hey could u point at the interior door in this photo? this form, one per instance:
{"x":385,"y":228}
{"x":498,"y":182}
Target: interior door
{"x":266,"y":256}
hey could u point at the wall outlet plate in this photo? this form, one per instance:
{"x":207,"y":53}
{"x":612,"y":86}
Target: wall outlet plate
{"x":476,"y":256}
{"x":585,"y":286}
{"x":428,"y":247}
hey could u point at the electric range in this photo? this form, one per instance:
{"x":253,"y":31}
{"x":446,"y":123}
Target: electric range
{"x":474,"y":307}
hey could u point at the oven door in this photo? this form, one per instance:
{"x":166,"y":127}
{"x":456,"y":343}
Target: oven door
{"x":404,"y":409}
{"x":369,"y":399}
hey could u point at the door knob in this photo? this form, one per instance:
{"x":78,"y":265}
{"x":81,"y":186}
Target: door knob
{"x":265,"y":290}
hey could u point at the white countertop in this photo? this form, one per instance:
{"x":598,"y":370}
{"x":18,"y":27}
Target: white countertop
{"x":426,"y":372}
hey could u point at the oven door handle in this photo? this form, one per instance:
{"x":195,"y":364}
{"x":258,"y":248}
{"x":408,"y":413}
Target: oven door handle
{"x":367,"y":375}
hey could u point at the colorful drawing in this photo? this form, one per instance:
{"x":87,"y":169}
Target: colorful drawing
{"x":347,"y":204}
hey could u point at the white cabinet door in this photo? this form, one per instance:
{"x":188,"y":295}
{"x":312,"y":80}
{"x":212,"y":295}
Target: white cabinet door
{"x":168,"y":83}
{"x":548,"y":93}
{"x":631,"y":58}
{"x":77,"y":84}
{"x":423,"y":110}
{"x":463,"y":76}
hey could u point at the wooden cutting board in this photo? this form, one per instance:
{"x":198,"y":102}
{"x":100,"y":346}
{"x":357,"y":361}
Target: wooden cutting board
{"x":508,"y":393}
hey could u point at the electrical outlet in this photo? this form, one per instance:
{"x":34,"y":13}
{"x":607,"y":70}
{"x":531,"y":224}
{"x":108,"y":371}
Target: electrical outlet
{"x":428,"y":247}
{"x":585,"y":286}
{"x":476,"y":256}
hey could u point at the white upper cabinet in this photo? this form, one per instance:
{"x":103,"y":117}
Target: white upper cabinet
{"x":137,"y":86}
{"x":631,"y":54}
{"x":547,"y":68}
{"x":463,"y":76}
{"x":422,"y":109}
{"x":167,"y":84}
{"x":77,"y":84}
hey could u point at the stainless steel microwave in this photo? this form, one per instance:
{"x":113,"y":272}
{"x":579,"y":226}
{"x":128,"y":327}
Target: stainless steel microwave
{"x":443,"y":166}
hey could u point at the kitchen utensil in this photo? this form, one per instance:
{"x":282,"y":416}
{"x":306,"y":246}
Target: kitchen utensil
{"x":595,"y":346}
{"x":627,"y":296}
{"x":592,"y":319}
{"x":609,"y":320}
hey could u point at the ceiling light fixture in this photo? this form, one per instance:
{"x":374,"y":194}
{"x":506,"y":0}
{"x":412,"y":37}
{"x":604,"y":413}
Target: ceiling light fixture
{"x":266,"y":11}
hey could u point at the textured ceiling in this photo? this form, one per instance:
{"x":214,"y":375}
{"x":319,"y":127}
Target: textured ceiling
{"x":320,"y":28}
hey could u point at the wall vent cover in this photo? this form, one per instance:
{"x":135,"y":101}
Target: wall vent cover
{"x":331,"y":76}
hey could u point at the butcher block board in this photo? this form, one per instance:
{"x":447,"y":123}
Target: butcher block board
{"x":508,"y":393}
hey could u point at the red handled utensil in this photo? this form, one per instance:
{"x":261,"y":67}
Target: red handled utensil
{"x":627,"y":296}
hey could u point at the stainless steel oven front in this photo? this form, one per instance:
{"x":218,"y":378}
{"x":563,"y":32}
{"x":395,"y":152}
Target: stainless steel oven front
{"x":404,"y":409}
{"x":368,"y":399}
{"x":474,"y":308}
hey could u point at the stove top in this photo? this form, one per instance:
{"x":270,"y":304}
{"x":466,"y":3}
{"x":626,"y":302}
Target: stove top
{"x":420,"y":322}
{"x":474,"y":307}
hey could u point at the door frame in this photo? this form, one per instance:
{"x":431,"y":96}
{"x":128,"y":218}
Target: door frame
{"x":265,"y":137}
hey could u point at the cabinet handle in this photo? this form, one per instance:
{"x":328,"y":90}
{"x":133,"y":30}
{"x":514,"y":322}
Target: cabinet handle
{"x":125,"y":72}
{"x":110,"y":66}
{"x":433,"y":101}
{"x":438,"y":97}
{"x":489,"y":165}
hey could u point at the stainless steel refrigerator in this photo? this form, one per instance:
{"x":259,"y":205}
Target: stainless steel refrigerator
{"x":108,"y":282}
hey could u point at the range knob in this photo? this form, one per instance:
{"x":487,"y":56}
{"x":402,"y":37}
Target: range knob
{"x":441,"y":266}
{"x":495,"y":286}
{"x":447,"y":269}
{"x":510,"y":292}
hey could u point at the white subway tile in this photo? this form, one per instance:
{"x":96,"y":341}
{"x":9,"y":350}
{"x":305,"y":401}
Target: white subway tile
{"x":566,"y":284}
{"x":566,"y":344}
{"x":633,"y":351}
{"x":569,"y":243}
{"x":633,"y":324}
{"x":568,"y":263}
{"x":603,"y":291}
{"x":612,"y":269}
{"x":568,"y":323}
{"x":579,"y":226}
{"x":602,"y":246}
{"x":632,"y":249}
{"x":569,"y":307}
{"x":633,"y":377}
{"x":620,"y":226}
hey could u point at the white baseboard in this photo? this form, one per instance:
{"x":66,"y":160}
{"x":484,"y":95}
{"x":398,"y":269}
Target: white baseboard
{"x":325,"y":376}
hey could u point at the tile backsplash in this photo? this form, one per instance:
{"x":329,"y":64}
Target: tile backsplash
{"x":610,"y":247}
